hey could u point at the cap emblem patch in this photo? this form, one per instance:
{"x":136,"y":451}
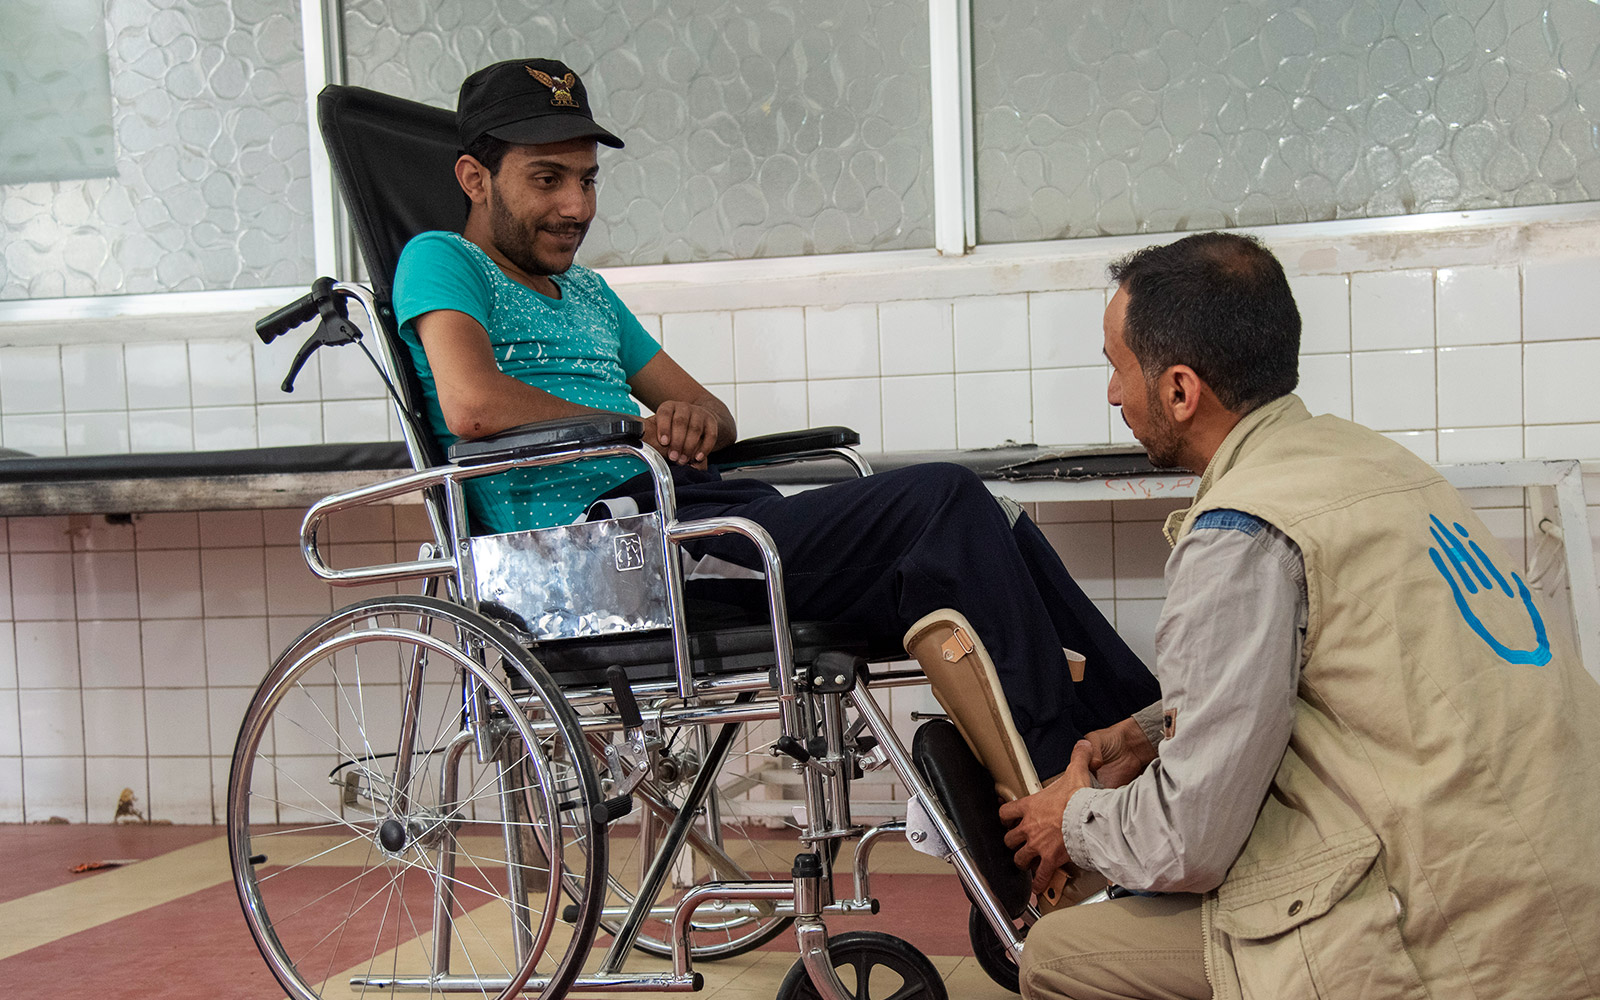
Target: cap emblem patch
{"x":560,"y":89}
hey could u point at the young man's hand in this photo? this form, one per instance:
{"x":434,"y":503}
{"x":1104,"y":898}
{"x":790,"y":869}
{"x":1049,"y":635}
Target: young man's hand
{"x":684,"y":432}
{"x":1035,"y":820}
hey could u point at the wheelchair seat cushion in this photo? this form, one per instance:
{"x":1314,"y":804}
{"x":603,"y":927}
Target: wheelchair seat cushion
{"x":647,"y":656}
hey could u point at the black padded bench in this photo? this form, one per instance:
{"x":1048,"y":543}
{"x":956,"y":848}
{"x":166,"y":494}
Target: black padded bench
{"x":297,"y":476}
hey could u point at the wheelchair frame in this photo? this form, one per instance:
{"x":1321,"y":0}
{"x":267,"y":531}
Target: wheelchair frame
{"x":811,"y":704}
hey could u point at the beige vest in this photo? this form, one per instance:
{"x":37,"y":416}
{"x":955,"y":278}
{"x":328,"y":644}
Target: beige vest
{"x":1434,"y":828}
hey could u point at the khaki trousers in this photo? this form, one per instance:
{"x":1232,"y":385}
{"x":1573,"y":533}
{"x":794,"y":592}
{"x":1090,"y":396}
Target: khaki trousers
{"x":1133,"y":948}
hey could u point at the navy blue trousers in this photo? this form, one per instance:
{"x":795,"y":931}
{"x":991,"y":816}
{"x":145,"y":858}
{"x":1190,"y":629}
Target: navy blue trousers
{"x":882,"y":551}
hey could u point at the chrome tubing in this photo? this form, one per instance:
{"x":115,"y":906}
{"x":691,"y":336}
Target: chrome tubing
{"x":490,"y":985}
{"x":666,"y":518}
{"x":833,"y":729}
{"x":444,"y":896}
{"x":869,"y":840}
{"x":960,"y":854}
{"x":701,"y":894}
{"x":813,"y":938}
{"x":667,"y":849}
{"x":412,"y":483}
{"x":772,"y":564}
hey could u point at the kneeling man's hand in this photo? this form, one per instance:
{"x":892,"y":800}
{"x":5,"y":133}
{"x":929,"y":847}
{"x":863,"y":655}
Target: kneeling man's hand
{"x":1035,"y":820}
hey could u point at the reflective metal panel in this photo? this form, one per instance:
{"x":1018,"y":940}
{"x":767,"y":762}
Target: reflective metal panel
{"x":595,"y":578}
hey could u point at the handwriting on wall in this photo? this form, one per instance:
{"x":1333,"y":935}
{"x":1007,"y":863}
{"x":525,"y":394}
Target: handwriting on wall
{"x":1151,"y":487}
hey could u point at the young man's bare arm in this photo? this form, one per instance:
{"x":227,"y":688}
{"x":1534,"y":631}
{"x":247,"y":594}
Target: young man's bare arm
{"x":477,"y":398}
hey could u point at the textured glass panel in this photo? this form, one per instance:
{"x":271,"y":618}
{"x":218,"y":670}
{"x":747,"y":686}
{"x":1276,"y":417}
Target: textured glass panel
{"x":753,"y":129}
{"x":212,"y":187}
{"x":1122,"y":116}
{"x":55,"y":91}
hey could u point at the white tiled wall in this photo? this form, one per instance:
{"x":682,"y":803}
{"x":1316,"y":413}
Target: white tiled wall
{"x":1464,"y":363}
{"x":109,"y":632}
{"x":128,"y":651}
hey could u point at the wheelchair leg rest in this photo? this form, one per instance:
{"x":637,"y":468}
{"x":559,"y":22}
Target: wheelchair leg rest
{"x":972,"y":877}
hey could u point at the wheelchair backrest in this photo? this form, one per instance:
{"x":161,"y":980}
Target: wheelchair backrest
{"x":394,"y":161}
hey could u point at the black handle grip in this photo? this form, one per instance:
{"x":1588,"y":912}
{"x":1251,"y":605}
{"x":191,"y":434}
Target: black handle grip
{"x":792,"y":747}
{"x":307,"y":307}
{"x":622,"y":693}
{"x":281,"y":321}
{"x":616,"y":807}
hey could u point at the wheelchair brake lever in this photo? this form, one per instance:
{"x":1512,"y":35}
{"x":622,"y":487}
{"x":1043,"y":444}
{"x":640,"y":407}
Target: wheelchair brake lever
{"x":633,"y":759}
{"x":622,"y":694}
{"x":335,"y":330}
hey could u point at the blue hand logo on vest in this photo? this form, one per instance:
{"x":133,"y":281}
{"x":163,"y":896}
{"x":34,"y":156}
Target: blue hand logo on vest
{"x":1474,"y":567}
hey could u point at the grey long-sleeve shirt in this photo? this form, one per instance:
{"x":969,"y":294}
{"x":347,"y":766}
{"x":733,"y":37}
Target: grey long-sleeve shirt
{"x":1228,"y":660}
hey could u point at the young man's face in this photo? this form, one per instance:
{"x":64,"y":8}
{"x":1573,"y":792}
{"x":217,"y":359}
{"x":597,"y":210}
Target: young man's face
{"x":1132,"y":391}
{"x":541,"y":202}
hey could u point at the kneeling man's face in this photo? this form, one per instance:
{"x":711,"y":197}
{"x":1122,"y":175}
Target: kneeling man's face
{"x":1136,"y":394}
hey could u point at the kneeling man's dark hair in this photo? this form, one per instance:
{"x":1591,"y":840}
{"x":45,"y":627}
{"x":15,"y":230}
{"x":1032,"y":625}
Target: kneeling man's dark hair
{"x":1219,"y":303}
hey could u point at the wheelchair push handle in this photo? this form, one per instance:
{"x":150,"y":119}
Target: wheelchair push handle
{"x":302,"y":310}
{"x":334,"y":330}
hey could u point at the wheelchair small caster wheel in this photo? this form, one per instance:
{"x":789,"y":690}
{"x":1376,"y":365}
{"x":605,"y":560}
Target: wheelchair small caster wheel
{"x":872,"y":966}
{"x":994,"y":958}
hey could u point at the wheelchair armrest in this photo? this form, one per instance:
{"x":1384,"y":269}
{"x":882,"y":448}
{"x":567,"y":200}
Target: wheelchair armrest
{"x":545,"y":436}
{"x":785,"y":446}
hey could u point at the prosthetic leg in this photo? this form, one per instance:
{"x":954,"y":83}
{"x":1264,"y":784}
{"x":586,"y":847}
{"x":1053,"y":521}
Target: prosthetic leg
{"x":966,"y":685}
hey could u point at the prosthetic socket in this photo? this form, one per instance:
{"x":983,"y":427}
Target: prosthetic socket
{"x":966,"y":684}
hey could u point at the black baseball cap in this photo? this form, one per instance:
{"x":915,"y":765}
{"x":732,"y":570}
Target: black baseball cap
{"x":528,"y":102}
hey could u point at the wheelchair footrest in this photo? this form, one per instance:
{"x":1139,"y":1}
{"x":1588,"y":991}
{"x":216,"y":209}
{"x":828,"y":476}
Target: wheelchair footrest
{"x":966,"y":792}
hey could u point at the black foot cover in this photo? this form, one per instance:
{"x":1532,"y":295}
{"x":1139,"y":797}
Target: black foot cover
{"x":966,"y":791}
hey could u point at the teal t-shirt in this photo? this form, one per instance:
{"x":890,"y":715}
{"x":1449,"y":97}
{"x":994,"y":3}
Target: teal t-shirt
{"x":582,"y":347}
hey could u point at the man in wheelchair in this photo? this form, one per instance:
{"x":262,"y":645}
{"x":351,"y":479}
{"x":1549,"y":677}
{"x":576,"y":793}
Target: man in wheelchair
{"x":505,"y":329}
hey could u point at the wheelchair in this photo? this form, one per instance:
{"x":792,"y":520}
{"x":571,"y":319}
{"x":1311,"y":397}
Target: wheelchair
{"x":475,"y":787}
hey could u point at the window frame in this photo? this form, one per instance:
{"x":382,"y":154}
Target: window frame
{"x":954,"y":202}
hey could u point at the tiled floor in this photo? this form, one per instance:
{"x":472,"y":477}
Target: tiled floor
{"x":167,"y":923}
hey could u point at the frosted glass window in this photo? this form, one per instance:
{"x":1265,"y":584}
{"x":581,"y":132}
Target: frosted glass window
{"x":1109,"y":116}
{"x":210,"y":181}
{"x":753,"y":129}
{"x":55,"y":91}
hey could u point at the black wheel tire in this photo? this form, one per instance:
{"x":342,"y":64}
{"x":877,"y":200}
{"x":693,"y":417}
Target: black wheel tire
{"x":855,"y":955}
{"x":993,"y":956}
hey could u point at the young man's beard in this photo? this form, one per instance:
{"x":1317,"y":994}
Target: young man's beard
{"x":516,"y":240}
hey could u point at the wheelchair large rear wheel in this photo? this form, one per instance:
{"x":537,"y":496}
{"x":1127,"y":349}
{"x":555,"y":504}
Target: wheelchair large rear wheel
{"x":399,"y":820}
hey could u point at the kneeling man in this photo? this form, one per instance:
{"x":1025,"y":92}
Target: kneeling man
{"x":1370,"y":773}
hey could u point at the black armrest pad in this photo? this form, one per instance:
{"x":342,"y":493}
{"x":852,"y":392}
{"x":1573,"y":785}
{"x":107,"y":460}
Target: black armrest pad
{"x":768,"y":446}
{"x":540,"y":438}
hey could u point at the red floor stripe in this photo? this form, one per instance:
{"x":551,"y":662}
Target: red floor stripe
{"x":38,"y":856}
{"x":194,"y":948}
{"x":198,"y":947}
